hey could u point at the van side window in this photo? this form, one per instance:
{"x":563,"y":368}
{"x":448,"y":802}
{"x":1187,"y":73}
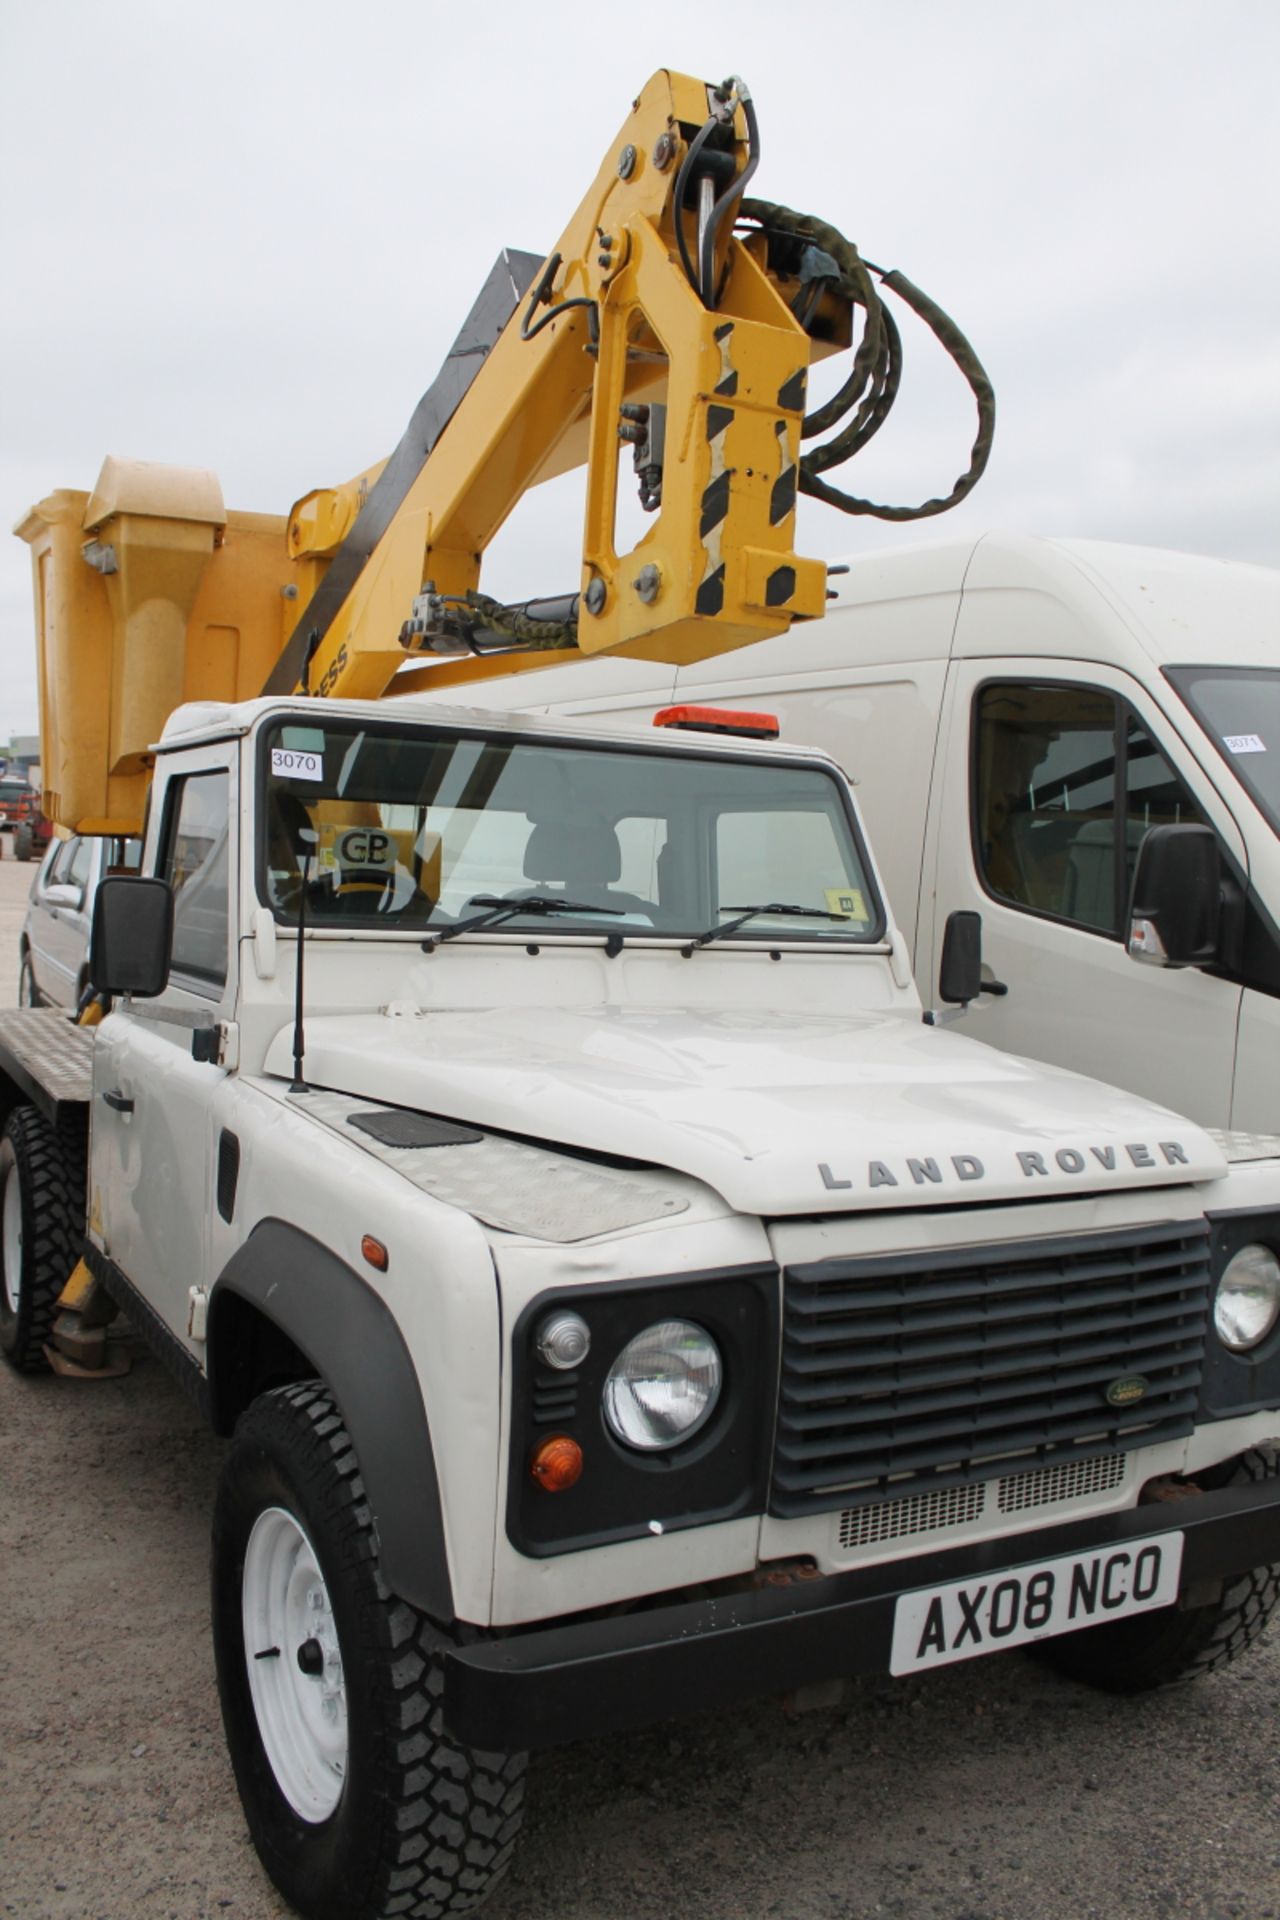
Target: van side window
{"x":196,"y":865}
{"x":1064,"y":779}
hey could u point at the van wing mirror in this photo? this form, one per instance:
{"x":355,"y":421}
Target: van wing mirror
{"x":1175,"y":906}
{"x":132,"y":938}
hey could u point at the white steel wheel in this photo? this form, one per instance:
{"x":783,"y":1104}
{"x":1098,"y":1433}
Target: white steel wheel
{"x":294,"y":1664}
{"x":369,"y":1810}
{"x":11,"y":1228}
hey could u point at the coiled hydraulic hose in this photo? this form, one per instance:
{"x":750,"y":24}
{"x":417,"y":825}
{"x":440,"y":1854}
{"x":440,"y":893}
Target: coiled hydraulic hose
{"x":827,"y":259}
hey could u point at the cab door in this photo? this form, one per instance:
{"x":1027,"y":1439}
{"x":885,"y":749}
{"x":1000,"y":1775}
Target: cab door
{"x":1049,"y":781}
{"x":152,"y":1146}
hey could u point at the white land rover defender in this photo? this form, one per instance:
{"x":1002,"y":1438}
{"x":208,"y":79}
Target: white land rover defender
{"x":622,"y":1299}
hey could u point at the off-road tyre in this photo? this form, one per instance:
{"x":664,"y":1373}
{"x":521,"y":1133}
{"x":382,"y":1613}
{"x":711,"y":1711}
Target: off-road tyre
{"x":29,"y":994}
{"x":1159,"y":1649}
{"x":48,"y":1165}
{"x":422,"y":1828}
{"x":24,"y":843}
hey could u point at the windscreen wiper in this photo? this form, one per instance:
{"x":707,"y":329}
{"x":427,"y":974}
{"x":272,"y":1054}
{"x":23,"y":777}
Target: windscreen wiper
{"x":497,"y":910}
{"x":743,"y":914}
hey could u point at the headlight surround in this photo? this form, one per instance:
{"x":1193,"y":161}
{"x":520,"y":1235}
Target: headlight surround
{"x":1246,"y":1305}
{"x":663,"y":1386}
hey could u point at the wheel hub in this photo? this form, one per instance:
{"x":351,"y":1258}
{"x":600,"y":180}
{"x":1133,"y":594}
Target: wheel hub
{"x":294,"y":1665}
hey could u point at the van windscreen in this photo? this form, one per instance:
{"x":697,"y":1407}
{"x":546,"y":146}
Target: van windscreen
{"x":1239,"y":709}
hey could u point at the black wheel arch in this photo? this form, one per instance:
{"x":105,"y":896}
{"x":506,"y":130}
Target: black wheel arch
{"x":286,"y":1307}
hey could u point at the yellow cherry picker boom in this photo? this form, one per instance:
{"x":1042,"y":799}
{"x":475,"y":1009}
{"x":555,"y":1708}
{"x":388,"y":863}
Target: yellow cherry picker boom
{"x":675,"y":316}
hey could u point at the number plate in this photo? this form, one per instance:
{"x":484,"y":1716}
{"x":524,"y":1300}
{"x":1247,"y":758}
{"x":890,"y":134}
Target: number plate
{"x":982,"y":1615}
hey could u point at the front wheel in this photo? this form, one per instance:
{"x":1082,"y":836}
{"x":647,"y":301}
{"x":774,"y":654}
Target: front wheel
{"x":1157,"y":1649}
{"x":24,"y":843}
{"x":28,"y":992}
{"x":359,"y":1804}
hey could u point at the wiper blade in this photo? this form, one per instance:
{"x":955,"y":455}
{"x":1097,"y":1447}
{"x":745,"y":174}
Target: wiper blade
{"x":497,"y":910}
{"x":743,"y":914}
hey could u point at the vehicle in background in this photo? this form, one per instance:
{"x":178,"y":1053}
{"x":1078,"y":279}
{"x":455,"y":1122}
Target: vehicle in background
{"x":1018,"y":714}
{"x":54,"y":945}
{"x":31,"y":836}
{"x":19,"y":804}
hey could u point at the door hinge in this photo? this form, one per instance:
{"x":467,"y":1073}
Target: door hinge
{"x":217,"y":1045}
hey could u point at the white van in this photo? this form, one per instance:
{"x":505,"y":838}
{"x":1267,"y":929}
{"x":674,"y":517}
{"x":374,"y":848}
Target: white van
{"x":1016,"y":712}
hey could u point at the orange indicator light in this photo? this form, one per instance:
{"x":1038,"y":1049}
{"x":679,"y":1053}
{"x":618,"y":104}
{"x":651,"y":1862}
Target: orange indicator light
{"x":557,"y":1463}
{"x":375,"y":1253}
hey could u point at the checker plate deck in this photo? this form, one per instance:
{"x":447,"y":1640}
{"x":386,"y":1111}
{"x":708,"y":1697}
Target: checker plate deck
{"x":49,"y":1057}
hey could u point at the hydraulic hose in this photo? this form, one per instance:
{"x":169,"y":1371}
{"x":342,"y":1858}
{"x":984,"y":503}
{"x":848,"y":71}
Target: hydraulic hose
{"x":864,"y":401}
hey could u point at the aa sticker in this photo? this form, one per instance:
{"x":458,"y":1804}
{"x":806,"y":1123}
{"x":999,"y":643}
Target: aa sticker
{"x":1244,"y":743}
{"x":846,"y":901}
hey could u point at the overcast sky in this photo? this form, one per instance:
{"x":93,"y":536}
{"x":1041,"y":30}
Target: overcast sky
{"x":242,"y":236}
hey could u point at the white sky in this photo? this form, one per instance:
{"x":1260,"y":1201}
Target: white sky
{"x":243,"y":236}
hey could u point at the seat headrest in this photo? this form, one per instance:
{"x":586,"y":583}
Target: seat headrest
{"x":575,"y":853}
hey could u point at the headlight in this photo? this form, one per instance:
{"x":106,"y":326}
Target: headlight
{"x":663,"y":1386}
{"x":1247,"y":1302}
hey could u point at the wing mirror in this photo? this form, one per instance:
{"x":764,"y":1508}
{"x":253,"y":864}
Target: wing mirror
{"x":960,"y":978}
{"x":960,"y":970}
{"x":132,"y":938}
{"x":1175,"y":907}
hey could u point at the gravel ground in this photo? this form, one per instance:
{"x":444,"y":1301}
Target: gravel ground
{"x":989,"y":1792}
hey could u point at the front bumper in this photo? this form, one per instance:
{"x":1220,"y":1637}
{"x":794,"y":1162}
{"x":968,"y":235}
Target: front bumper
{"x":572,"y":1681}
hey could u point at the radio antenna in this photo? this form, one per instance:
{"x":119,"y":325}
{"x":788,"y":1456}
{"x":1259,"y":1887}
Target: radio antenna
{"x":299,"y":1084}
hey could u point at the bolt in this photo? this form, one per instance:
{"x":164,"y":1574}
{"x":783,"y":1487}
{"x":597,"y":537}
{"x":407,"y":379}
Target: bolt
{"x":626,"y":163}
{"x":664,"y":151}
{"x":648,"y":584}
{"x":595,"y":596}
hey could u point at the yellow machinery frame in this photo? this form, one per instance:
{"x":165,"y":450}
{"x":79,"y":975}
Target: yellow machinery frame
{"x":182,"y":600}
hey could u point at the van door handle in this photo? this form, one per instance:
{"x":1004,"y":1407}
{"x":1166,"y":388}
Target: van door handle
{"x":120,"y":1101}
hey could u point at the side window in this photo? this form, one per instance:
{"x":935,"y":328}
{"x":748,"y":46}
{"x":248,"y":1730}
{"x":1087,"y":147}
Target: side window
{"x":59,"y":874}
{"x":195,"y":863}
{"x":641,"y":842}
{"x":76,"y":873}
{"x":1067,"y":782}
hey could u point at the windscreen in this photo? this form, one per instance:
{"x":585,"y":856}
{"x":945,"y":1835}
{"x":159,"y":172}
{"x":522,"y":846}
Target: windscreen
{"x":392,"y":827}
{"x":1239,"y":709}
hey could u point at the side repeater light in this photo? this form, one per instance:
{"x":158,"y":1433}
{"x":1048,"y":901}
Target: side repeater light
{"x":752,"y":726}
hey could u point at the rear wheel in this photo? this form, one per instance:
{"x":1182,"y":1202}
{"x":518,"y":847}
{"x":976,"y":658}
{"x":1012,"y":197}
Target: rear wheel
{"x":41,"y":1221}
{"x":24,"y":843}
{"x":359,"y":1804}
{"x":1176,"y":1643}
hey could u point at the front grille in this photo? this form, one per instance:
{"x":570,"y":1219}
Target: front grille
{"x":910,"y":1372}
{"x":1073,"y":1480}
